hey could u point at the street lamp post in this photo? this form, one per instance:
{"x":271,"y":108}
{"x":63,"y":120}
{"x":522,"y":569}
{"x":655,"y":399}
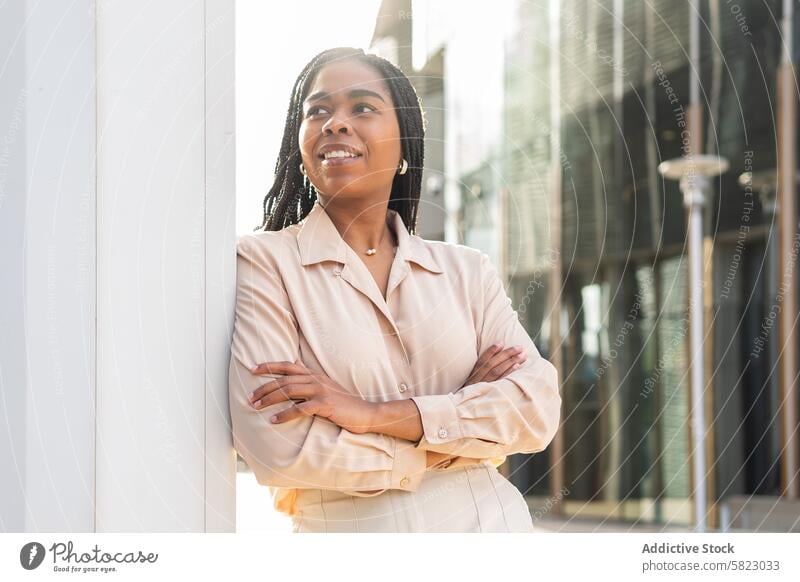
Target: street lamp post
{"x":694,"y":173}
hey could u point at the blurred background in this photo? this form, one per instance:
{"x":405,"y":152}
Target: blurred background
{"x":546,"y":124}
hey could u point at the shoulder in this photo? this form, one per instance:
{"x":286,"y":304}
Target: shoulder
{"x":454,"y":257}
{"x":267,"y":246}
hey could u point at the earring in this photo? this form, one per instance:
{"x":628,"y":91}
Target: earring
{"x":403,"y":167}
{"x":302,"y":169}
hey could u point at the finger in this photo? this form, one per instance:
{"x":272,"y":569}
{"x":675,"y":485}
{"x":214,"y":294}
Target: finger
{"x":499,"y":371}
{"x":302,"y":409}
{"x":278,"y":368}
{"x":505,"y":355}
{"x":291,"y":392}
{"x":507,"y":366}
{"x":299,"y":362}
{"x":483,"y":363}
{"x":265,"y":389}
{"x":488,"y":353}
{"x":499,"y":358}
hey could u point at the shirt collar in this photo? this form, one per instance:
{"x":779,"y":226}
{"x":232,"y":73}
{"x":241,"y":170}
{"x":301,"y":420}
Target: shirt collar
{"x":318,"y":240}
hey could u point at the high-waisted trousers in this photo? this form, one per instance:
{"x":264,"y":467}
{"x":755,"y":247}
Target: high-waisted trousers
{"x":474,"y":498}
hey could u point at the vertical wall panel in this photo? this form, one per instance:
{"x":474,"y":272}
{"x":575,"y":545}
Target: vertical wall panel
{"x":118,"y":262}
{"x":220,"y":261}
{"x":152,"y":271}
{"x":48,"y":136}
{"x":13,"y":377}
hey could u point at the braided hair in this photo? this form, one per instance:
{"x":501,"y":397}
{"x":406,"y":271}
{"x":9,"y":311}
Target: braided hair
{"x":292,"y":195}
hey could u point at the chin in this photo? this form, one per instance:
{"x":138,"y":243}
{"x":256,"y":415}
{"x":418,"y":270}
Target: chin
{"x":346,"y":195}
{"x":341,"y":189}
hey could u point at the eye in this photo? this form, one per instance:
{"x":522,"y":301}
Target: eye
{"x":312,"y":110}
{"x":371,"y":108}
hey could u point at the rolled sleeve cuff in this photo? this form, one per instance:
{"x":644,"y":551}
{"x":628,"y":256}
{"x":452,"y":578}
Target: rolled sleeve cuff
{"x":410,"y":464}
{"x":440,"y":421}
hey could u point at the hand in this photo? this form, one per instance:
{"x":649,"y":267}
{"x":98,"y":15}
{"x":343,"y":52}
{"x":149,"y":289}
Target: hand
{"x":495,"y":363}
{"x":314,"y":393}
{"x":434,"y":458}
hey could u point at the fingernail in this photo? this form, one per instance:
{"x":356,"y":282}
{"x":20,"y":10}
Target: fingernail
{"x":515,"y":366}
{"x":274,"y":418}
{"x":257,"y":403}
{"x":250,"y":398}
{"x":254,"y":368}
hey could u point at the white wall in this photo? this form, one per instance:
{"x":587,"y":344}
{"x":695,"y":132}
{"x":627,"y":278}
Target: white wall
{"x":13,"y":378}
{"x":118,"y":238}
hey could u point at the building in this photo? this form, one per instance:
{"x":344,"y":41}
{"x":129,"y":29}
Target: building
{"x":555,"y":118}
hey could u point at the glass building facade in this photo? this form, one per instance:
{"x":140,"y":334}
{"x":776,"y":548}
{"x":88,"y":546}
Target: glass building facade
{"x":598,"y":93}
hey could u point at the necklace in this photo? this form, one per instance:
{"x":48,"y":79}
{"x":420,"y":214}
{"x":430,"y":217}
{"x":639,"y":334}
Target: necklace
{"x":371,"y":251}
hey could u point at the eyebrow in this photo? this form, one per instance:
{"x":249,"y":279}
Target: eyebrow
{"x":319,"y":95}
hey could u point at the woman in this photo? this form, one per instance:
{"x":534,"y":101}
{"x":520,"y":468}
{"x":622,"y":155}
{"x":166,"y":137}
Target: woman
{"x":374,"y":380}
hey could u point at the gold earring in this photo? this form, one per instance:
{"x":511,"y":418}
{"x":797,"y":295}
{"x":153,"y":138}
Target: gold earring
{"x":403,"y":167}
{"x":302,"y":169}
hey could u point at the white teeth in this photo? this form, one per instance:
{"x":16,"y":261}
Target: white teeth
{"x":339,"y":154}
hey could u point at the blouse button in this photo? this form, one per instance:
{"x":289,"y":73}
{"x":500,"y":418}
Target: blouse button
{"x":404,"y":482}
{"x":402,"y":387}
{"x":442,"y":433}
{"x":337,"y":271}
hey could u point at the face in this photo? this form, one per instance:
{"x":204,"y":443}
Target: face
{"x":349,"y":136}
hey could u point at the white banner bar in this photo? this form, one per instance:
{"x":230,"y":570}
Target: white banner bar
{"x":610,"y":556}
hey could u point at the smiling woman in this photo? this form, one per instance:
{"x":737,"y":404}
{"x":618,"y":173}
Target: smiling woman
{"x":391,"y":411}
{"x":347,"y":101}
{"x":357,"y":105}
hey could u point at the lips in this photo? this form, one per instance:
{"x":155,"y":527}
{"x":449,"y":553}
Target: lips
{"x":334,"y":155}
{"x":337,"y":162}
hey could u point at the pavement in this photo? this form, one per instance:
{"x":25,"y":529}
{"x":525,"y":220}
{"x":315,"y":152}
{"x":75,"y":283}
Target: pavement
{"x":575,"y":525}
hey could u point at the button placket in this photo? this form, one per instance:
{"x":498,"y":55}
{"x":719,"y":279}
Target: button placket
{"x":357,"y":274}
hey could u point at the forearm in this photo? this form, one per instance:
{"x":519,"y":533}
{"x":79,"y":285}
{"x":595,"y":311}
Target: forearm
{"x":398,"y":418}
{"x":401,"y":419}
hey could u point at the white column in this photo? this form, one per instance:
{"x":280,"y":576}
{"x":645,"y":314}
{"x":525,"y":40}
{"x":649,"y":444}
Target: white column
{"x":118,"y":254}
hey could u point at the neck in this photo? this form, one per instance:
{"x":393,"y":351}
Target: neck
{"x":361,"y":223}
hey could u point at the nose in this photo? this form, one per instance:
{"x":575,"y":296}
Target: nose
{"x":338,"y":124}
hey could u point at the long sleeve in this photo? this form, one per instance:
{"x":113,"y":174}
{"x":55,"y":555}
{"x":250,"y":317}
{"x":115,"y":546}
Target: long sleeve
{"x":518,"y":413}
{"x":307,"y":452}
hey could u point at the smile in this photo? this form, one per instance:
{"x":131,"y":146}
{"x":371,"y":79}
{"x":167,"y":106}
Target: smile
{"x":338,"y":158}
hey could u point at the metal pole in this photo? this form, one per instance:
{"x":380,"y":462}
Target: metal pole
{"x":693,"y":200}
{"x":557,"y":446}
{"x":787,"y":288}
{"x":694,"y":213}
{"x":694,"y":173}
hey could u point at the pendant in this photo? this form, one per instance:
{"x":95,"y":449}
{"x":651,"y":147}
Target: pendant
{"x":371,"y":251}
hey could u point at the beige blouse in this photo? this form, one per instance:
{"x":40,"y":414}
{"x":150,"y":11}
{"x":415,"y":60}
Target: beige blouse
{"x":303,"y":293}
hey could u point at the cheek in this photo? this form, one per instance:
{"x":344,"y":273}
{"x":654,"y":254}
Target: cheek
{"x":384,"y":149}
{"x":305,"y":140}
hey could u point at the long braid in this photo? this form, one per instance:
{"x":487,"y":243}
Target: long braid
{"x":292,"y":195}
